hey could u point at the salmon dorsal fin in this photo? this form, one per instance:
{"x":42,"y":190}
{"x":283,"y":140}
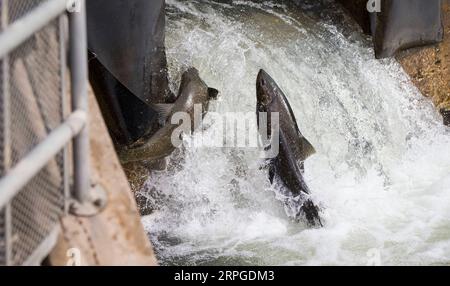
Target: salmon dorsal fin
{"x":308,"y":148}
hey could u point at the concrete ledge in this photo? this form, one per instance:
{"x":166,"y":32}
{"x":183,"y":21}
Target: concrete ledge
{"x":115,"y":236}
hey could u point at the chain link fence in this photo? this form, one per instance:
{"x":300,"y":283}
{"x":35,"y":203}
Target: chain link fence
{"x":33,"y":105}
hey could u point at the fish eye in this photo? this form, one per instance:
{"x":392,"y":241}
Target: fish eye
{"x":263,"y":82}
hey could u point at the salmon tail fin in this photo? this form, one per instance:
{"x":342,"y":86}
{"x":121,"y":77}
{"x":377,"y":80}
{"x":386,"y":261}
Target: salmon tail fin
{"x":310,"y":212}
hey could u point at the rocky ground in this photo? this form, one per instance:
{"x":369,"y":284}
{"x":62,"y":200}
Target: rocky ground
{"x":429,"y":67}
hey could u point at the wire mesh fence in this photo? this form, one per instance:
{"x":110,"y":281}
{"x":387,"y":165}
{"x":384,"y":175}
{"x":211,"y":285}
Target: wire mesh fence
{"x":2,"y":118}
{"x":20,"y":8}
{"x":31,"y":107}
{"x":2,"y":143}
{"x":2,"y":238}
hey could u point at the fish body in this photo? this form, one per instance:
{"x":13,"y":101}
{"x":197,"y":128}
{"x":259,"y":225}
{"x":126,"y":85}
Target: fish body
{"x":193,"y":91}
{"x":287,"y":168}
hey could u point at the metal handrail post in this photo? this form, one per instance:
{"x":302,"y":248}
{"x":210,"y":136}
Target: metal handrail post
{"x":79,"y":79}
{"x":90,"y":199}
{"x":6,"y":133}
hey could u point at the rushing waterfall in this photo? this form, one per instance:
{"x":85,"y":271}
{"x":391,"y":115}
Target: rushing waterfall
{"x":382,"y":169}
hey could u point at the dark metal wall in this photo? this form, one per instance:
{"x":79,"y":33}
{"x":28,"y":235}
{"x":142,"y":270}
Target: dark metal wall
{"x":405,"y":24}
{"x":358,"y":10}
{"x":446,"y":114}
{"x":128,"y":118}
{"x":400,"y":24}
{"x":128,"y":63}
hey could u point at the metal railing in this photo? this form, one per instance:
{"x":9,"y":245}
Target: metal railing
{"x":44,"y":143}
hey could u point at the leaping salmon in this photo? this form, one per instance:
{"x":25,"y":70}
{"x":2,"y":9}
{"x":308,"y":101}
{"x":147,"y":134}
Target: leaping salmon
{"x":287,"y":168}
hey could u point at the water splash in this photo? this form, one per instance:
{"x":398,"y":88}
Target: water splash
{"x":382,"y":152}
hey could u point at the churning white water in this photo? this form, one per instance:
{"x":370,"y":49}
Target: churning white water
{"x":382,"y":168}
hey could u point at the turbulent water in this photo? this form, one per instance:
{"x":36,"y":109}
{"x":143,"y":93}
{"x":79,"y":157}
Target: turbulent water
{"x":382,"y":169}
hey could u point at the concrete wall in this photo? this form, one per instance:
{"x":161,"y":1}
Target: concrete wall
{"x":116,"y":235}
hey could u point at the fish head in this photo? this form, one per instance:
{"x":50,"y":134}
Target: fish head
{"x":191,"y":81}
{"x":265,"y":91}
{"x":267,"y":94}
